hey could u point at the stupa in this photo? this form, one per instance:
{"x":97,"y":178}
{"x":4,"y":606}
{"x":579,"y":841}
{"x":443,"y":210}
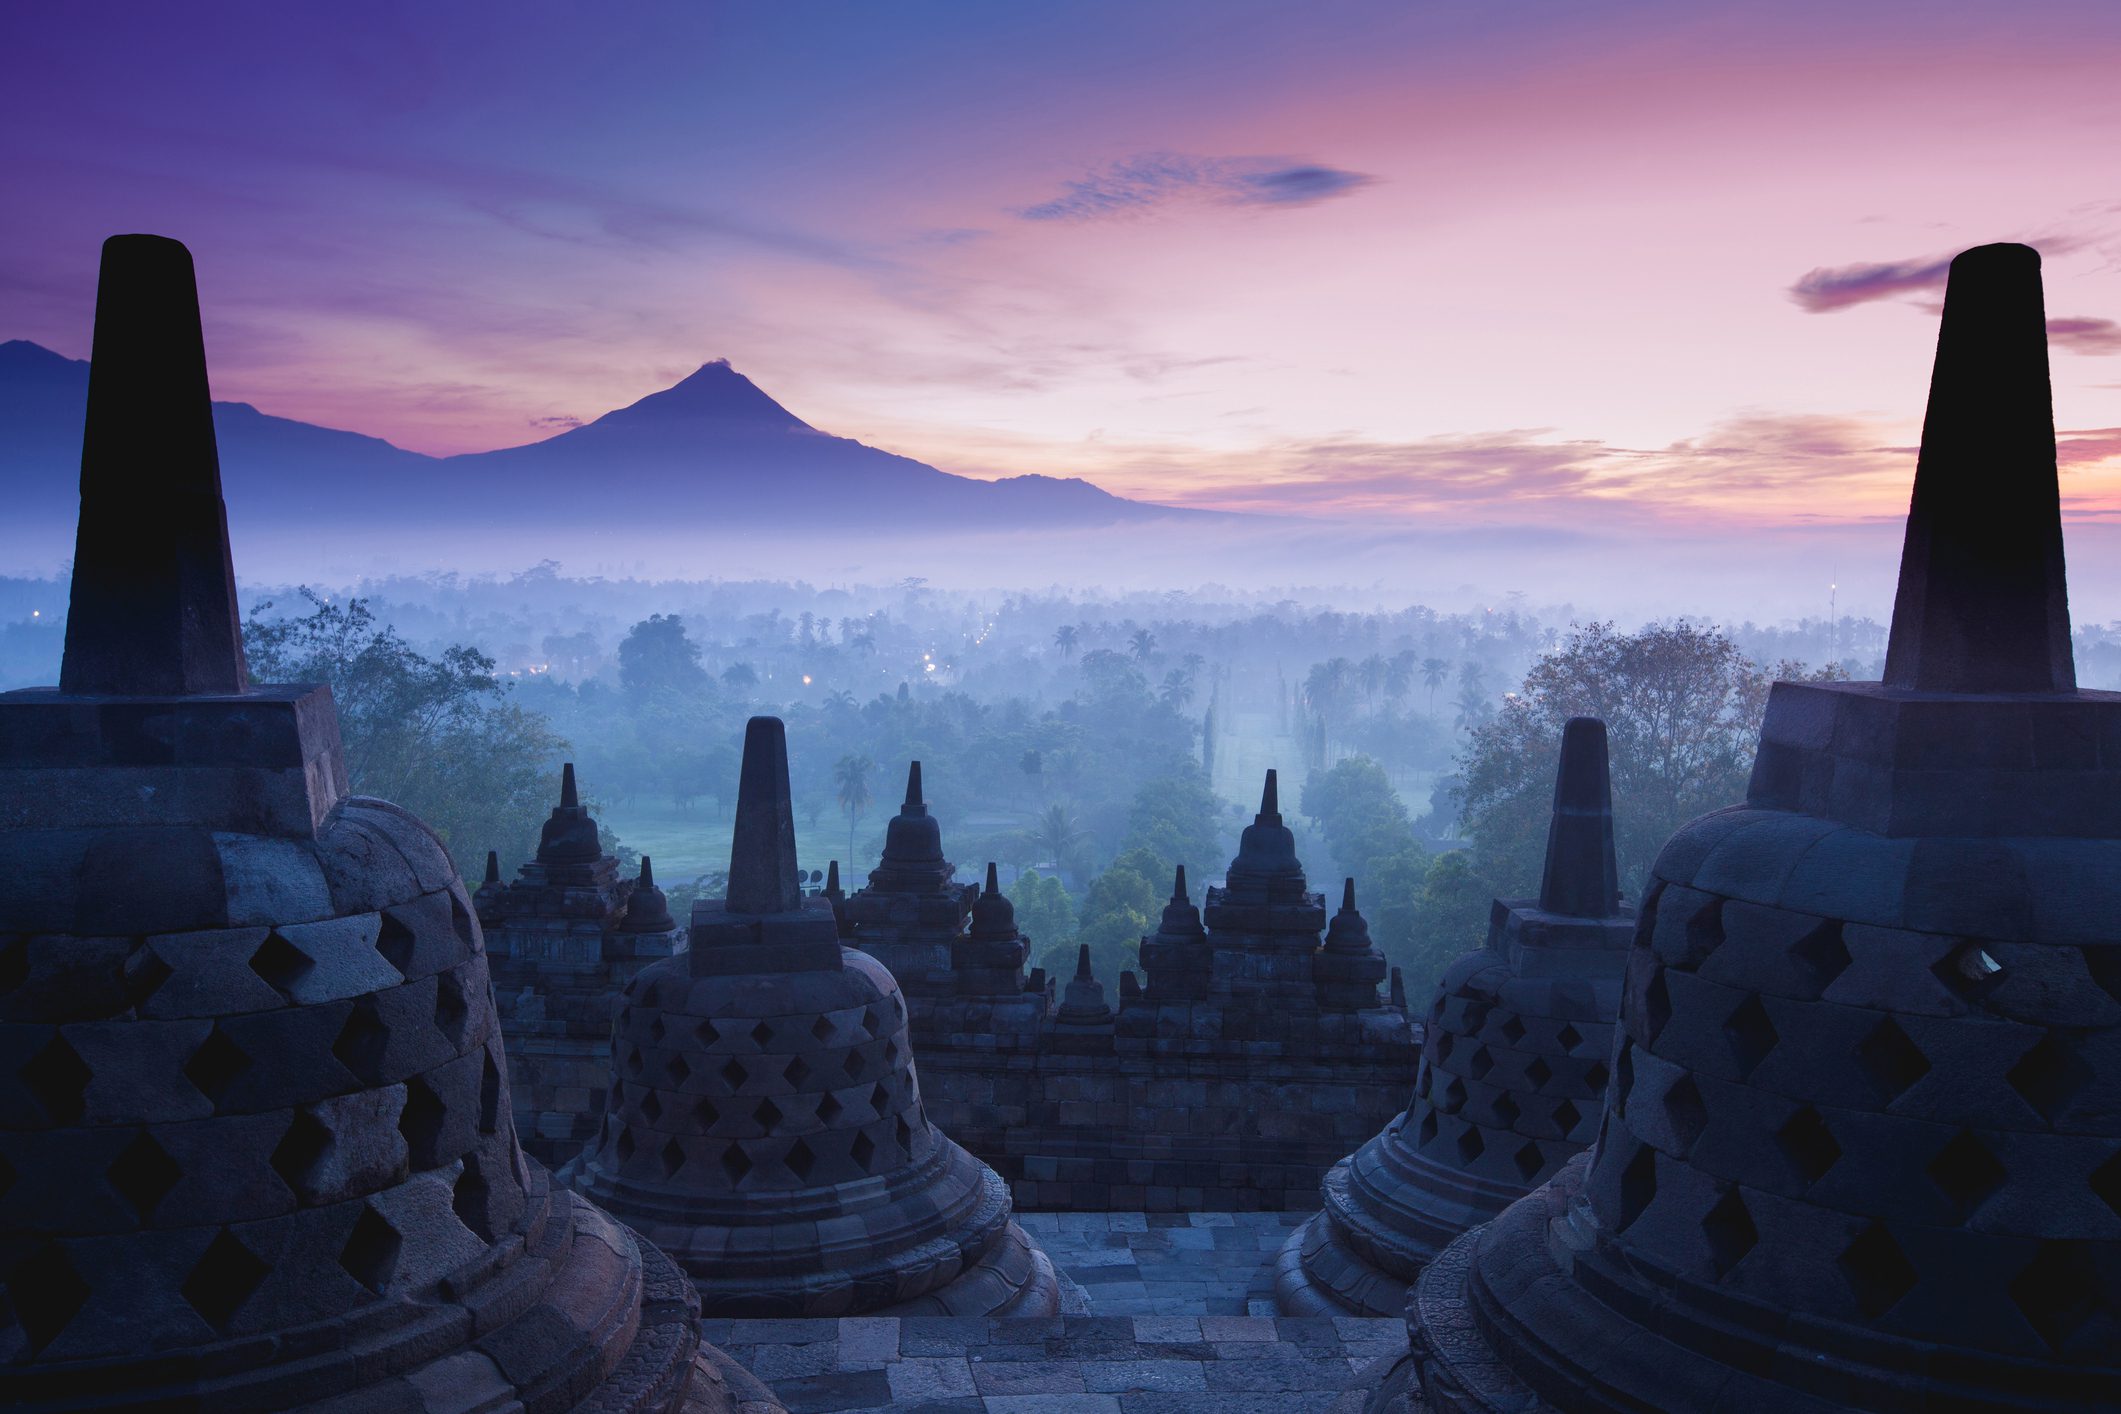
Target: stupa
{"x":765,"y":1125}
{"x":1513,"y":1070}
{"x":255,"y":1145}
{"x":912,"y":914}
{"x":564,"y":936}
{"x":1862,"y":1147}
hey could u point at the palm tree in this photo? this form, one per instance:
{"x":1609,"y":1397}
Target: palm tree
{"x":1143,"y":643}
{"x":1177,"y":690}
{"x":1371,"y":673}
{"x":1472,"y":677}
{"x":1399,"y":675}
{"x":839,"y":700}
{"x":740,"y":675}
{"x":1434,"y":673}
{"x":1473,"y":706}
{"x":1055,"y":835}
{"x":1064,"y":639}
{"x":851,"y":775}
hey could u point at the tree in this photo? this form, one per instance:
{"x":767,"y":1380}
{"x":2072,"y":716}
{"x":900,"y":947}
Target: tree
{"x":739,"y":677}
{"x":657,"y":657}
{"x":1172,"y":820}
{"x":1682,"y":707}
{"x":1473,"y":706}
{"x":850,"y":775}
{"x":1122,"y":904}
{"x":1371,"y":673}
{"x":436,"y":735}
{"x":1044,"y":913}
{"x":1141,"y":645}
{"x":1434,"y":673}
{"x":1065,"y":638}
{"x":1177,"y":690}
{"x":1359,"y":813}
{"x":1055,"y":836}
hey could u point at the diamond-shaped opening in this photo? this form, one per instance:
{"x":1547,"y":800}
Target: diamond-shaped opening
{"x":472,"y":1199}
{"x":706,"y":1034}
{"x":1513,"y":1029}
{"x":1656,"y":1008}
{"x":735,"y":1163}
{"x":678,"y":1070}
{"x":673,"y":1158}
{"x":143,"y":1173}
{"x":905,"y":1136}
{"x":421,"y":1123}
{"x":761,"y":1035}
{"x":144,"y":974}
{"x":51,"y":1293}
{"x":853,"y":1064}
{"x":800,"y":1159}
{"x":371,"y":1252}
{"x":214,"y":1066}
{"x":1822,"y":954}
{"x":2059,"y":1290}
{"x":1966,"y":1173}
{"x":797,"y":1072}
{"x":862,"y":1150}
{"x":2104,"y":964}
{"x":1567,"y":1117}
{"x":657,"y":1031}
{"x":1569,"y":1037}
{"x":299,"y":1151}
{"x":1877,"y":1272}
{"x":891,"y":1053}
{"x":1425,"y":1134}
{"x":734,"y":1075}
{"x":651,"y":1107}
{"x":1890,"y":1060}
{"x":1596,"y":1077}
{"x":828,"y":1108}
{"x":1539,"y":1073}
{"x":452,"y":1010}
{"x":1422,"y":1074}
{"x":768,"y":1115}
{"x":281,"y":964}
{"x":1685,"y":1112}
{"x":1476,"y":1016}
{"x":2049,"y":1076}
{"x":224,"y":1278}
{"x":1638,"y":1184}
{"x":1529,"y":1161}
{"x":871,"y":1022}
{"x":1968,"y":971}
{"x":1704,"y":933}
{"x":362,"y":1042}
{"x":880,"y":1098}
{"x":2106,"y":1182}
{"x":490,"y":1096}
{"x":460,"y":919}
{"x":625,"y":1148}
{"x":1751,"y":1034}
{"x":635,"y":1061}
{"x":1808,"y":1144}
{"x":1730,"y":1231}
{"x":1470,"y":1145}
{"x":821,"y":1029}
{"x":59,"y":1078}
{"x":1444,"y":1042}
{"x":1480,"y":1064}
{"x":707,"y":1114}
{"x":1454,"y":1096}
{"x":396,"y":942}
{"x":1506,"y":1110}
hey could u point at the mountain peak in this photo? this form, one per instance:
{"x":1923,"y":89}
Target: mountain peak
{"x":20,"y":356}
{"x":715,"y":392}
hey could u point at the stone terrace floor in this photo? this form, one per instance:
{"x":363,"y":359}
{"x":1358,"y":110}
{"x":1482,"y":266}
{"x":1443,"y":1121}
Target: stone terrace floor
{"x":1180,"y":1318}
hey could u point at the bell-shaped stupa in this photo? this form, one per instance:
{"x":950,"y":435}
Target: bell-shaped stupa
{"x":1862,"y":1146}
{"x":255,"y":1143}
{"x":1513,"y":1070}
{"x":765,"y":1125}
{"x":911,"y":916}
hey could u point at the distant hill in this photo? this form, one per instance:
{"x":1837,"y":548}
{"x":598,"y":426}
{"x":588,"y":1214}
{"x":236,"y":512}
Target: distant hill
{"x":714,"y":451}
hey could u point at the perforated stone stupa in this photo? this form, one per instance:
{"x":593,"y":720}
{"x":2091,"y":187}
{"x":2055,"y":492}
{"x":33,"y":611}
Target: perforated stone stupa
{"x":1862,"y":1148}
{"x":563,"y":937}
{"x":1513,"y":1070}
{"x":255,"y":1146}
{"x":765,"y":1124}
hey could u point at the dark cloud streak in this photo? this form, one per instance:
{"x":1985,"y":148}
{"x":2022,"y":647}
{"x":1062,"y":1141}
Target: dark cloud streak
{"x":1138,"y":185}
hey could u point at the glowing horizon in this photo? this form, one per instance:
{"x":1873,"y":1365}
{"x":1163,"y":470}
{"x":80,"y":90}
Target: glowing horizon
{"x":1517,"y":267}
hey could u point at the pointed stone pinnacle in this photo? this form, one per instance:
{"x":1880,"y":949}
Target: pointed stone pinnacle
{"x":569,"y":798}
{"x":647,"y":879}
{"x":1347,"y":896}
{"x":1983,"y":603}
{"x":913,"y":788}
{"x":832,"y":879}
{"x":1270,"y":799}
{"x":762,"y":873}
{"x":1178,"y":886}
{"x":993,"y":879}
{"x":493,"y":866}
{"x":1082,"y":962}
{"x":1581,"y":878}
{"x":154,"y":595}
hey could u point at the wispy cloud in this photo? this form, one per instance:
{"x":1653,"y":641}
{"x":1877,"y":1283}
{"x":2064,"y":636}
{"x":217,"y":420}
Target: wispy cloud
{"x":1830,"y":288}
{"x":1143,"y":183}
{"x":559,"y":422}
{"x":2085,"y":336}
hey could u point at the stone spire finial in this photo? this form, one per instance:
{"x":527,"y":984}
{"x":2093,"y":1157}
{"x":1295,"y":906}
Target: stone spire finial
{"x":1178,"y":886}
{"x":762,"y":874}
{"x":1581,"y":878}
{"x":570,"y":798}
{"x":1349,"y":931}
{"x":570,"y":835}
{"x":1083,"y":1003}
{"x":493,"y":866}
{"x":1266,"y":864}
{"x":913,"y":790}
{"x":647,"y":879}
{"x":647,"y":907}
{"x":1082,"y":963}
{"x":153,"y":607}
{"x":913,"y":843}
{"x":1270,"y":799}
{"x":832,"y":889}
{"x":1983,"y":605}
{"x":993,"y":886}
{"x":993,"y":916}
